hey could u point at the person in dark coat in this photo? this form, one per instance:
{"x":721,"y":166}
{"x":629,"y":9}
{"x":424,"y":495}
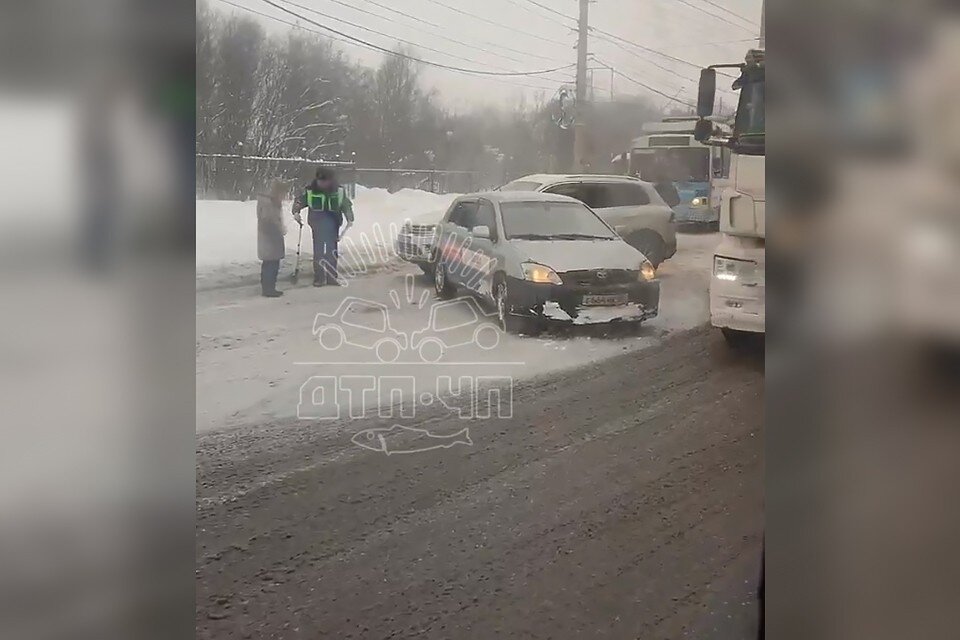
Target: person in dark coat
{"x":270,"y":232}
{"x":329,"y":207}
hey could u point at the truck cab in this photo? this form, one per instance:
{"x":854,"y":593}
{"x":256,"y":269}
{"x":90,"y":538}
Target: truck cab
{"x":737,"y":283}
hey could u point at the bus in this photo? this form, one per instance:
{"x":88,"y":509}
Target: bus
{"x":689,"y":175}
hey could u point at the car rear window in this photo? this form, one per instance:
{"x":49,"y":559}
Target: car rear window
{"x":551,"y":220}
{"x":521,"y":185}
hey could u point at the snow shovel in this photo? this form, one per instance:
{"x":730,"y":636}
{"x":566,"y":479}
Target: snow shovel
{"x":296,"y":269}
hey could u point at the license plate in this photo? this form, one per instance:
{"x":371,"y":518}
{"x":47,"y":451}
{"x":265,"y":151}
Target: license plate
{"x":608,"y":300}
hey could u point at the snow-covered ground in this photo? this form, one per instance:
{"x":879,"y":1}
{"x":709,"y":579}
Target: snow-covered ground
{"x":227,"y":235}
{"x":255,"y":354}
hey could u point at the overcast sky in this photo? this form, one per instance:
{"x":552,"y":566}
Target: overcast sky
{"x":517,"y":35}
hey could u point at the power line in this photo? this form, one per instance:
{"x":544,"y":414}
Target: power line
{"x":401,"y":13}
{"x":431,"y":33}
{"x":633,"y":44}
{"x":713,"y":15}
{"x":516,"y":3}
{"x":374,"y":31}
{"x":287,"y":22}
{"x":378,"y":49}
{"x":733,"y":13}
{"x":659,"y":53}
{"x":644,"y":85}
{"x":400,"y":54}
{"x":496,"y":24}
{"x":407,"y":15}
{"x":432,"y":24}
{"x":553,"y":11}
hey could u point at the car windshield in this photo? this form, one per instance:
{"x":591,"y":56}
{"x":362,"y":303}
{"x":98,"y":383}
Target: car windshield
{"x":521,"y":185}
{"x":552,"y":221}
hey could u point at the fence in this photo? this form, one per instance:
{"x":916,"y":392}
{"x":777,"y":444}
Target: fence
{"x":237,"y":177}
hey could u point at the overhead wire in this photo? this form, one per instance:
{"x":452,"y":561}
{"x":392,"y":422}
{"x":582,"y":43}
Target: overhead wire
{"x":616,"y":40}
{"x":715,"y":16}
{"x":497,"y":24}
{"x":643,"y":84}
{"x":400,"y":54}
{"x":380,"y":49}
{"x":431,"y":33}
{"x":733,"y":13}
{"x":551,"y":18}
{"x":374,"y":31}
{"x":433,"y":24}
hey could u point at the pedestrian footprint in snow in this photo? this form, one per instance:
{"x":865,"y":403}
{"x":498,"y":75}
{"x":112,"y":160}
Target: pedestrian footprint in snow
{"x":270,"y":231}
{"x":400,"y":439}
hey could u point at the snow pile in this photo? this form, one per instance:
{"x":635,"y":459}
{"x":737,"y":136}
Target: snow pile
{"x":227,"y":235}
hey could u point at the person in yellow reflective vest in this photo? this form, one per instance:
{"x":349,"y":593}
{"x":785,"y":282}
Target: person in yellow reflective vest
{"x":330,"y":214}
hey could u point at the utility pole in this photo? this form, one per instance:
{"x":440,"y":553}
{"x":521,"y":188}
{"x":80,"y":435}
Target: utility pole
{"x":579,"y":126}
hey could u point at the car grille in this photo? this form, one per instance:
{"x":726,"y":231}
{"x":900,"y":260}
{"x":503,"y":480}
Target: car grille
{"x":422,"y":230}
{"x":591,"y":277}
{"x":414,"y":247}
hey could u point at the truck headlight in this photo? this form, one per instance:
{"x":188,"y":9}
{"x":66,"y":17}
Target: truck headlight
{"x":647,"y":271}
{"x":539,"y":273}
{"x":700,"y":201}
{"x":730,"y":269}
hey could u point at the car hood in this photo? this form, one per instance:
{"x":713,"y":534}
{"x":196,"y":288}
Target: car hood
{"x":430,"y":218}
{"x":575,"y":255}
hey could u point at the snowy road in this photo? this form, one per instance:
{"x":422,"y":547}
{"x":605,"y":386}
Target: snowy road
{"x":254,"y":355}
{"x":621,"y":498}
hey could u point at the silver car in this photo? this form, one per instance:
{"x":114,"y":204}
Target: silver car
{"x":540,"y":258}
{"x":629,"y":205}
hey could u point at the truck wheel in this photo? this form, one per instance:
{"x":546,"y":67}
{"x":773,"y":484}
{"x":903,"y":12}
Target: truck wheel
{"x":738,"y":340}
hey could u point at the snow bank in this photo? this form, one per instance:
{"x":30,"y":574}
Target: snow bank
{"x":227,"y":235}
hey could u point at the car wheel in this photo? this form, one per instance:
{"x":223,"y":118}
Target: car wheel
{"x":441,"y":284}
{"x":509,"y":323}
{"x":427,"y":268}
{"x":652,"y":246}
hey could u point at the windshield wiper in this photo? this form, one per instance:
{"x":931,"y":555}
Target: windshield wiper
{"x":580,"y":236}
{"x":529,"y":236}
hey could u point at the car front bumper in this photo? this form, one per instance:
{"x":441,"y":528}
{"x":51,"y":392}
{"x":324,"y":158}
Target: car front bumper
{"x":415,"y":248}
{"x":687,"y":214}
{"x":564,"y":303}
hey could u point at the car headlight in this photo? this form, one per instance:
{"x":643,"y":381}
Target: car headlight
{"x":700,"y":201}
{"x":647,"y":271}
{"x":732,"y":270}
{"x":539,"y":273}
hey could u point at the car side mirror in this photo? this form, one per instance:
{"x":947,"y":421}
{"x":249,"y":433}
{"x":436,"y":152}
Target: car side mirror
{"x":481,"y":231}
{"x":707,"y":93}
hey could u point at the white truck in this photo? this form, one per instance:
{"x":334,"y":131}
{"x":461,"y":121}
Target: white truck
{"x":737,"y":285}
